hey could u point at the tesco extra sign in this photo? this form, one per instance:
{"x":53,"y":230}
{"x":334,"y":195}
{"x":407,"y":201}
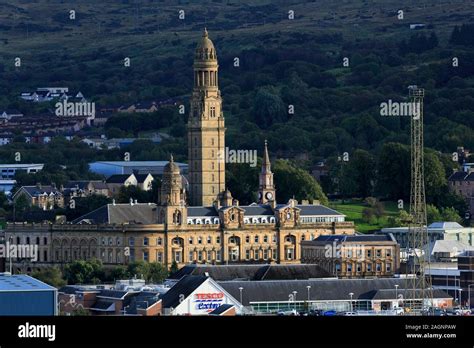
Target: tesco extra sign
{"x":208,"y":301}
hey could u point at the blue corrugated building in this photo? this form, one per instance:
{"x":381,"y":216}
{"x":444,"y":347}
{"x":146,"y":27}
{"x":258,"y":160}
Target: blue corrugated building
{"x":21,"y":294}
{"x":109,"y":168}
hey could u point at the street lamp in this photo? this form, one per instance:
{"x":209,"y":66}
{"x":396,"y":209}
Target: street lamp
{"x":10,"y":240}
{"x":294,"y":297}
{"x":309,"y":288}
{"x":351,"y":294}
{"x":469,"y":292}
{"x":396,"y":293}
{"x":240,"y":289}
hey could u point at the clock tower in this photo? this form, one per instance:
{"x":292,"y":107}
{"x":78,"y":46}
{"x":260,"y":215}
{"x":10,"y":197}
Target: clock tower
{"x":206,"y":129}
{"x":266,"y":190}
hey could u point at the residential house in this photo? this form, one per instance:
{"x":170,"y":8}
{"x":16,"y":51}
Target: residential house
{"x":46,"y":197}
{"x":462,"y":183}
{"x":9,"y":114}
{"x":85,"y":188}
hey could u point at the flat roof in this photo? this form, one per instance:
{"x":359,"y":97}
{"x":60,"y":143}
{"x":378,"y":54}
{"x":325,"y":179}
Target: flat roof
{"x":137,"y":163}
{"x":22,"y":282}
{"x":21,"y":165}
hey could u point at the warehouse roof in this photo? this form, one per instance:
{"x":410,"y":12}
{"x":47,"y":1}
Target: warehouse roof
{"x":22,"y":282}
{"x":253,"y":272}
{"x":321,"y":289}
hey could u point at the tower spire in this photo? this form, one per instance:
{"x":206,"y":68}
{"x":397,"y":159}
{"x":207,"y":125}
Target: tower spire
{"x":266,"y":165}
{"x":266,"y":192}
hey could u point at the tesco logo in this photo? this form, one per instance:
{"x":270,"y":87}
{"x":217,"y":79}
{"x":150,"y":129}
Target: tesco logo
{"x":209,"y":296}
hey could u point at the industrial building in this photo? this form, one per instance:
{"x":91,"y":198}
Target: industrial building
{"x":7,"y":171}
{"x":24,"y":295}
{"x":436,"y":231}
{"x":108,"y":168}
{"x":370,"y":295}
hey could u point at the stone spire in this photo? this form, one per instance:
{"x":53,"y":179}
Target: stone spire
{"x":266,"y":192}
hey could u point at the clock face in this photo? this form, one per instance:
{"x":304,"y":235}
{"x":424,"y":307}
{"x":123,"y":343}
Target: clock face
{"x":259,"y":195}
{"x":269,"y":195}
{"x":288,"y":216}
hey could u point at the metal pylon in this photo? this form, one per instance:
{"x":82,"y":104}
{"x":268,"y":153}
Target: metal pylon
{"x":418,"y":289}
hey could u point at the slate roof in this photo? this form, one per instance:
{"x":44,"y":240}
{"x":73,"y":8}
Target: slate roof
{"x":321,"y":289}
{"x":202,"y":211}
{"x":252,"y":272}
{"x":82,"y":184}
{"x":310,"y":210}
{"x":113,"y":294}
{"x":143,"y":300}
{"x":342,"y":238}
{"x":117,"y":178}
{"x":139,"y":213}
{"x":141,"y":177}
{"x":260,"y":209}
{"x":458,"y":176}
{"x":221,"y":309}
{"x":104,"y":305}
{"x":184,"y":287}
{"x":45,"y":189}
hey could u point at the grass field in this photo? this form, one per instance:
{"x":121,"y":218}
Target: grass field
{"x":353,"y":211}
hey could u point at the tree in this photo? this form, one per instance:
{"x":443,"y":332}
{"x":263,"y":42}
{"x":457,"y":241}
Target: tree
{"x":84,"y":272}
{"x":157,"y":273}
{"x":393,"y":168}
{"x":174,"y":267}
{"x":84,"y":205}
{"x":51,"y":275}
{"x":367,"y":215}
{"x":401,"y":220}
{"x":450,"y":214}
{"x":133,"y":192}
{"x":80,"y":312}
{"x":119,"y":272}
{"x":432,"y":214}
{"x":268,"y":107}
{"x":139,"y":269}
{"x":291,"y":181}
{"x":242,"y":181}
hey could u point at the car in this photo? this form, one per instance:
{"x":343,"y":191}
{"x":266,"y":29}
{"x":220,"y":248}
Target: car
{"x":348,"y":314}
{"x":290,"y":312}
{"x":330,"y":313}
{"x":315,"y":312}
{"x":462,"y":311}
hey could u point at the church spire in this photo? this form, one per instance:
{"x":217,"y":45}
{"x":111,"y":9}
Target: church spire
{"x":266,"y":190}
{"x":266,"y":165}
